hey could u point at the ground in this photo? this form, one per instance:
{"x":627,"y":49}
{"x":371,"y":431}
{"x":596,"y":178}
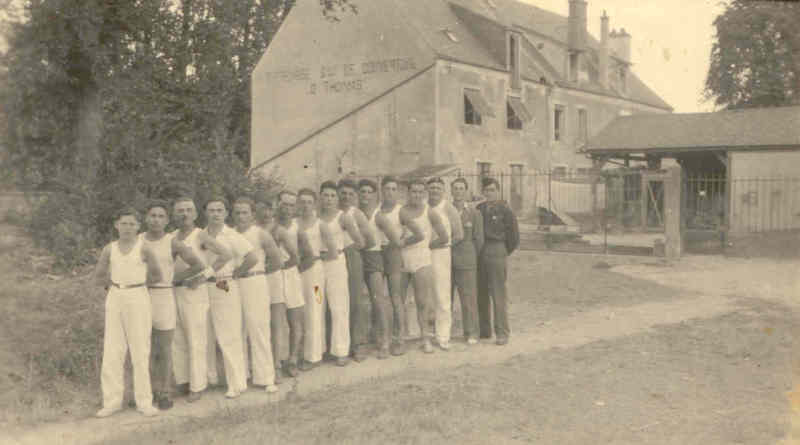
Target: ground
{"x":605,"y":349}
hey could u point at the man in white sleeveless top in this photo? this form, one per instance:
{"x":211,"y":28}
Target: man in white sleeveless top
{"x":416,"y":245}
{"x":336,"y":277}
{"x":374,"y":269}
{"x":442,"y":261}
{"x":125,"y":268}
{"x":225,"y":299}
{"x":289,"y":305}
{"x":254,"y":291}
{"x":312,"y":272}
{"x":388,"y":222}
{"x":167,"y":248}
{"x":360,"y":303}
{"x":190,"y":344}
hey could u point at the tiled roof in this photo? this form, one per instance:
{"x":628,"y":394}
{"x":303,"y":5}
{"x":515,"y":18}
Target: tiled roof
{"x":745,"y":128}
{"x":480,"y":30}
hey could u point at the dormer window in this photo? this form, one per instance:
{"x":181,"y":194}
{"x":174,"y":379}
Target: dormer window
{"x":623,"y":78}
{"x":573,"y":66}
{"x":513,"y":59}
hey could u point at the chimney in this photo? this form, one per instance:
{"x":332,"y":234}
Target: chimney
{"x":576,"y":36}
{"x":603,"y":65}
{"x":620,"y":45}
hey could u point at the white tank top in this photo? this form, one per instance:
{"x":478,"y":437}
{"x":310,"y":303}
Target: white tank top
{"x":193,"y":241}
{"x":346,"y":240}
{"x":425,"y":223}
{"x":162,"y":250}
{"x":252,"y":235}
{"x":439,"y":209}
{"x":314,"y":238}
{"x":393,"y":217}
{"x":335,"y":227}
{"x":128,"y":269}
{"x":292,"y":232}
{"x":373,"y":228}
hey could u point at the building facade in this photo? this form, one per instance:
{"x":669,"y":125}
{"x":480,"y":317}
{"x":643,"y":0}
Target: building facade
{"x":487,"y":85}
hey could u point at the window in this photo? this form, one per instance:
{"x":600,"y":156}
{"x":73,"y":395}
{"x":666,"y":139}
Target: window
{"x":583,"y":125}
{"x":623,"y":74}
{"x":475,"y":107}
{"x":471,"y":115}
{"x":513,"y":60}
{"x":559,"y":130}
{"x":573,"y":67}
{"x":516,"y":113}
{"x":513,"y":121}
{"x":484,"y":171}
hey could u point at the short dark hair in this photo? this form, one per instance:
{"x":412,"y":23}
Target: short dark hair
{"x":347,"y":183}
{"x":156,"y":203}
{"x":368,"y":183}
{"x":128,"y":211}
{"x":216,"y":198}
{"x":388,"y":179}
{"x":183,"y":198}
{"x":435,"y":180}
{"x":245,"y":200}
{"x":461,"y":180}
{"x":285,"y":192}
{"x":416,"y":181}
{"x":307,"y":192}
{"x":328,"y":185}
{"x":489,"y":181}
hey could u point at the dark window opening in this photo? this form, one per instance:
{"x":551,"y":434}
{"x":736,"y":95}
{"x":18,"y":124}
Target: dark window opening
{"x":583,"y":125}
{"x":513,"y":121}
{"x":471,"y":114}
{"x":558,"y":123}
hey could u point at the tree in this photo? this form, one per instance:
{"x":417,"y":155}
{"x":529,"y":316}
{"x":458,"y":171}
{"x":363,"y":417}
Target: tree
{"x":755,"y":60}
{"x":124,"y":99}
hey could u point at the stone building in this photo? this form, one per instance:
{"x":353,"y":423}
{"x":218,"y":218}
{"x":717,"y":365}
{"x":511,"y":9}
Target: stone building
{"x":486,"y":86}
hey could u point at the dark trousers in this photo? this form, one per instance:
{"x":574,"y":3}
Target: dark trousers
{"x":492,"y":284}
{"x":161,"y":361}
{"x":466,"y":282}
{"x":360,"y":304}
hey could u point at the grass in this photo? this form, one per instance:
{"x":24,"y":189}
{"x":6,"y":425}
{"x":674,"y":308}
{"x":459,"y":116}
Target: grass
{"x":52,"y":335}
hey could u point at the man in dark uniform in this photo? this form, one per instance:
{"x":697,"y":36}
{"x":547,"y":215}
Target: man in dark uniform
{"x":501,"y":234}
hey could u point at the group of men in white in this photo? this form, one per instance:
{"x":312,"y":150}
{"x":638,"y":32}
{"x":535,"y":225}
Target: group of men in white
{"x":333,"y":266}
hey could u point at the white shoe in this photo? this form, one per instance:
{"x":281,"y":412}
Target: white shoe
{"x":445,"y":345}
{"x":105,"y":412}
{"x":472,"y":341}
{"x":232,"y":394}
{"x":149,"y":411}
{"x":271,"y":389}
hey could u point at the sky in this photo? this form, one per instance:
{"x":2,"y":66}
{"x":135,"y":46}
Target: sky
{"x":670,"y":46}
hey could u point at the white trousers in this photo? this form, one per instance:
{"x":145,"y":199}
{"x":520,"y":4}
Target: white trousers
{"x":256,"y":310}
{"x":313,"y":284}
{"x":292,"y":288}
{"x":337,"y":293}
{"x":225,"y":329}
{"x":442,"y":270}
{"x":127,"y":327}
{"x":190,"y":344}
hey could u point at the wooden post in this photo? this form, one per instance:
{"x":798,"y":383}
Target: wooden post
{"x":672,"y":213}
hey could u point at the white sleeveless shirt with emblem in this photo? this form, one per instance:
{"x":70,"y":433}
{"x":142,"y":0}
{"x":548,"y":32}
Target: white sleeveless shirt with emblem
{"x":337,"y":233}
{"x":314,"y":238}
{"x":129,"y":268}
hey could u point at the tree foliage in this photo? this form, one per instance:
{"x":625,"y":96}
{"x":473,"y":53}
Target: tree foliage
{"x":755,"y":60}
{"x":125,"y":100}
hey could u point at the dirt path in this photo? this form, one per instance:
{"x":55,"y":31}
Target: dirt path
{"x":598,"y":324}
